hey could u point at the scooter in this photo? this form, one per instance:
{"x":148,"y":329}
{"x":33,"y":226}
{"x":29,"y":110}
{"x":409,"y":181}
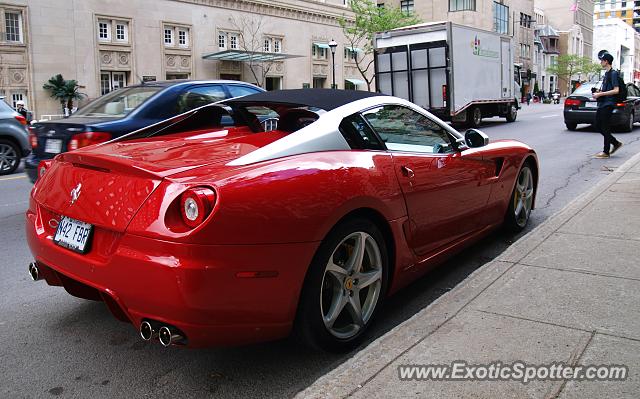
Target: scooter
{"x":556,"y":98}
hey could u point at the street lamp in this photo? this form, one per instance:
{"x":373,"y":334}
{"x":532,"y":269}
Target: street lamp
{"x":333,"y":45}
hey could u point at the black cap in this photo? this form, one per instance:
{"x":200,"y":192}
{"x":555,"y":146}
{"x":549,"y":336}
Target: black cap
{"x":604,"y":55}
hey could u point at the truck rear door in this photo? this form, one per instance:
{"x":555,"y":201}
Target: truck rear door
{"x":507,"y":62}
{"x":417,"y":72}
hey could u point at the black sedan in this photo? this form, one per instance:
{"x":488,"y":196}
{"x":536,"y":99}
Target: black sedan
{"x":580,"y":107}
{"x":123,"y":111}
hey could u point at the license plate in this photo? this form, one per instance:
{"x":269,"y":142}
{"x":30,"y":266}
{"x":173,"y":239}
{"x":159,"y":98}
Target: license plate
{"x":73,"y":234}
{"x":591,"y":105}
{"x":53,"y":146}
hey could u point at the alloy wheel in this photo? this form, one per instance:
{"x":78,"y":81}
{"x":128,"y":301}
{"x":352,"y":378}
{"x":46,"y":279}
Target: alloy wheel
{"x":8,"y":158}
{"x":351,"y":285}
{"x":523,"y":196}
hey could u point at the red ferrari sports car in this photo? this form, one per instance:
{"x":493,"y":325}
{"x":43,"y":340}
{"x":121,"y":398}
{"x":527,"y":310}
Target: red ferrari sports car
{"x":207,"y":229}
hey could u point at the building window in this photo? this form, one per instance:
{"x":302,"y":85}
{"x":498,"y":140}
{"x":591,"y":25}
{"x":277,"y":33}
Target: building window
{"x":17,"y":96}
{"x":350,"y":54}
{"x":319,"y":82}
{"x":319,"y":51}
{"x":13,"y":26}
{"x":112,"y":81}
{"x":525,"y":20}
{"x":624,"y":13}
{"x":500,"y":18}
{"x":233,"y":42}
{"x":277,"y":45}
{"x":267,"y":46}
{"x":183,"y":37}
{"x":222,"y":40}
{"x":177,"y":76}
{"x":406,"y":6}
{"x":348,"y":85}
{"x":168,"y":37}
{"x":462,"y":5}
{"x":104,"y":31}
{"x":121,"y":32}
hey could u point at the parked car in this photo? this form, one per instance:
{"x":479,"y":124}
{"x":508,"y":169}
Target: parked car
{"x":123,"y":111}
{"x":14,"y":141}
{"x":580,"y":107}
{"x":202,"y":234}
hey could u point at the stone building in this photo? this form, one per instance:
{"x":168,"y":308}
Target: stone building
{"x":109,"y":44}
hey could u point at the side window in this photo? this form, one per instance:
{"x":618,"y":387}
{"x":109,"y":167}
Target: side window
{"x":403,"y":129}
{"x":237,"y":91}
{"x":358,"y":134}
{"x":199,"y":96}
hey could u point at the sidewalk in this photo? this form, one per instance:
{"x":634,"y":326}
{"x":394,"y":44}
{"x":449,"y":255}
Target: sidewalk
{"x":569,"y":292}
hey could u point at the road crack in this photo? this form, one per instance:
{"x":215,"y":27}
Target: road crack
{"x":566,"y":183}
{"x":579,"y":169}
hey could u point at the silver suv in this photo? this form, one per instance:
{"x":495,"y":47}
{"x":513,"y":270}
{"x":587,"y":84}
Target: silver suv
{"x":14,"y":139}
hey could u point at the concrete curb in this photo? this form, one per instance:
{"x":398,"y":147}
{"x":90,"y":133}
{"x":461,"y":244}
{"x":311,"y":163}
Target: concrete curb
{"x":357,"y":371}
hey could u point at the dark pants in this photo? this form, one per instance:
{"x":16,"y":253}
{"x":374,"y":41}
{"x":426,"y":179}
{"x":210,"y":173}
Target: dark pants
{"x":603,"y":123}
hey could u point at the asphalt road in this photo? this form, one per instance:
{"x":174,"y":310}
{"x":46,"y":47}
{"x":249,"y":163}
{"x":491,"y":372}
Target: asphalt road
{"x":56,"y":345}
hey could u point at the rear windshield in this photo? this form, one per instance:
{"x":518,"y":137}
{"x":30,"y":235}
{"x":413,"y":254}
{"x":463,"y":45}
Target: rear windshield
{"x":119,"y":102}
{"x":585,"y":89}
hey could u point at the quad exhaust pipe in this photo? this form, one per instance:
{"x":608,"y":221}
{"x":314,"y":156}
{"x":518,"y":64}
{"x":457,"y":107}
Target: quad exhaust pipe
{"x":148,"y":331}
{"x":34,"y":272}
{"x":168,"y":335}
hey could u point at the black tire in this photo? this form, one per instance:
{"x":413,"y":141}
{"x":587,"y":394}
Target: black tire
{"x":10,"y":156}
{"x":628,"y":127}
{"x":512,"y":222}
{"x":310,"y":326}
{"x":513,"y":113}
{"x":474,"y":117}
{"x":571,"y":126}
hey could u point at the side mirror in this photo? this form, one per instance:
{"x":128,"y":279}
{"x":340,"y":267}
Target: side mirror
{"x":475,"y":138}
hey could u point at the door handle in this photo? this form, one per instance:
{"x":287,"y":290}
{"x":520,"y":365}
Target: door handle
{"x":407,"y":172}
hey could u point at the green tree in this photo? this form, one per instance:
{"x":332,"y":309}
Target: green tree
{"x":569,"y":65}
{"x":590,"y":68}
{"x":71,"y":92}
{"x":65,"y":91}
{"x":367,"y":21}
{"x":56,"y":88}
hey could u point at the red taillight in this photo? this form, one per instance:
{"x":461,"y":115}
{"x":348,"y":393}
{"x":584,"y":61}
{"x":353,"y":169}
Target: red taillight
{"x":620,"y":104}
{"x":21,"y":119}
{"x":43,"y":166}
{"x":33,"y":138}
{"x":570,"y":102}
{"x":444,"y":92}
{"x":88,"y":138}
{"x":196,"y":204}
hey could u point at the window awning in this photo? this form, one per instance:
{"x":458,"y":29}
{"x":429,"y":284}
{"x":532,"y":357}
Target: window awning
{"x":321,"y":45}
{"x":356,"y":82}
{"x":356,"y":49}
{"x":241,"y":55}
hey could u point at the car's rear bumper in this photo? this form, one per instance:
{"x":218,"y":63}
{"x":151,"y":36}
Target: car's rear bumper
{"x":206,"y":291}
{"x":588,"y":116}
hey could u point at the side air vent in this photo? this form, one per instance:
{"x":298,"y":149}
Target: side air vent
{"x":499,"y":163}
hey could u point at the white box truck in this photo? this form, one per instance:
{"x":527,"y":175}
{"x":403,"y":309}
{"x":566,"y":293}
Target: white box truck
{"x":458,"y":73}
